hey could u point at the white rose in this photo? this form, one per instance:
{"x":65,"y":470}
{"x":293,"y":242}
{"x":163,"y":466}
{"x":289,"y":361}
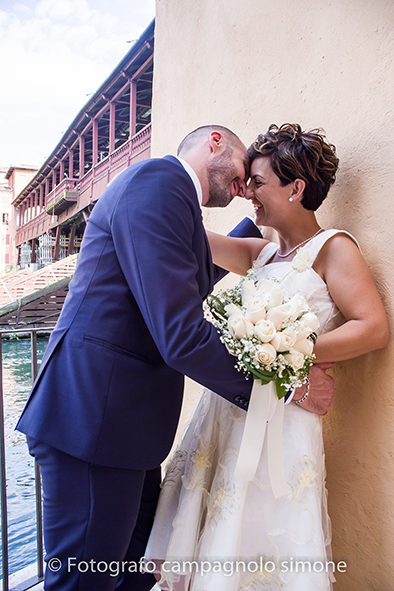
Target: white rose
{"x":266,"y":354}
{"x":255,"y":310}
{"x":239,"y":326}
{"x":283,"y":341}
{"x":232,"y":309}
{"x":264,"y":330}
{"x":295,"y":359}
{"x":298,"y":305}
{"x":271,"y":291}
{"x":302,"y":261}
{"x":304,"y":346}
{"x":248,"y":291}
{"x":278,"y":315}
{"x":311,"y":321}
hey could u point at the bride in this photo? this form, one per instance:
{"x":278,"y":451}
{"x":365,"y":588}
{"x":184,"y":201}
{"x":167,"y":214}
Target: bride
{"x":263,"y":542}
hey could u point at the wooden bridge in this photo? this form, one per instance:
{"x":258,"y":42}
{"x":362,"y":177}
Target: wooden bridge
{"x":35,"y":298}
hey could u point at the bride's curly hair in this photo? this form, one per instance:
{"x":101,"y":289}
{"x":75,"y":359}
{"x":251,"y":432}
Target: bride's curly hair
{"x":297,"y":154}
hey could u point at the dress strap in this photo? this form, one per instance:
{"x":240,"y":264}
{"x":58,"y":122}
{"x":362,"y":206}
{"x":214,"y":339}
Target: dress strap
{"x":315,"y":245}
{"x":266,"y":253}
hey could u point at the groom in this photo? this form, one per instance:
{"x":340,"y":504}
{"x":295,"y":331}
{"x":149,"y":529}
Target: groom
{"x":104,"y":409}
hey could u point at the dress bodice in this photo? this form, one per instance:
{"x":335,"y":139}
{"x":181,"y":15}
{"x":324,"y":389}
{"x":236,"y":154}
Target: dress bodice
{"x":298,"y":277}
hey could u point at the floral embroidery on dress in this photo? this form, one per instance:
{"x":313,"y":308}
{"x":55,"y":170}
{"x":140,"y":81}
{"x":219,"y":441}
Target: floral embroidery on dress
{"x":175,"y":469}
{"x":306,"y":477}
{"x":267,"y":579}
{"x":201,"y":458}
{"x":223,"y":500}
{"x":303,"y":260}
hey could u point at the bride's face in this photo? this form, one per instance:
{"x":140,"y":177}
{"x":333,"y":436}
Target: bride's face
{"x":269,"y":197}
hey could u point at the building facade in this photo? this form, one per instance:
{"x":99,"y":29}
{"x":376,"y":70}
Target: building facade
{"x":12,"y":181}
{"x":5,"y":210}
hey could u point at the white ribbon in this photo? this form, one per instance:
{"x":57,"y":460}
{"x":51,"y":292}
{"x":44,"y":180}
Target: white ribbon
{"x":263,"y":425}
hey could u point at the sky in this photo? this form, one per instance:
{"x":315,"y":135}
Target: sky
{"x":54,"y":55}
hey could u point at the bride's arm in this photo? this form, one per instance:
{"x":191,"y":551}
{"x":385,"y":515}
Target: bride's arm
{"x":234,"y":254}
{"x":353,"y":290}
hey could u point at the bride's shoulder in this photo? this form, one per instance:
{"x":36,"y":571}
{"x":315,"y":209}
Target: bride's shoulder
{"x":264,"y":253}
{"x":336,"y":245}
{"x":335,"y":239}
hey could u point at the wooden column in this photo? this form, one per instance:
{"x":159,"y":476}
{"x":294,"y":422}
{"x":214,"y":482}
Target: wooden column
{"x":61,"y":171}
{"x":70,"y":164}
{"x":81,"y":156}
{"x":53,"y":179}
{"x":94,"y":143}
{"x":46,"y":191}
{"x":56,"y":248}
{"x":33,"y":251}
{"x":111,"y":127}
{"x":41,"y":197}
{"x":35,"y":202}
{"x":71,"y":240}
{"x":133,"y":108}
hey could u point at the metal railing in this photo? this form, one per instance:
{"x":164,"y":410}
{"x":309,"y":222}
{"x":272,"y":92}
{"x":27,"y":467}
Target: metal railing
{"x":35,"y":578}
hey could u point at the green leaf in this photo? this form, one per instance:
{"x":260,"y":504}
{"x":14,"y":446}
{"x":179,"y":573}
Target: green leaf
{"x":216,"y":304}
{"x":281,"y":389}
{"x":265,"y":377}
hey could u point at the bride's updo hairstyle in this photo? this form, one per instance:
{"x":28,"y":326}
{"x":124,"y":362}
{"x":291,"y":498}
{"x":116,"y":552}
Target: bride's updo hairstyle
{"x":297,"y":154}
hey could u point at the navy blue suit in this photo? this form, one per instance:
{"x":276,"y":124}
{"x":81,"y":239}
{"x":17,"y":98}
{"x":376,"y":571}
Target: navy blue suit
{"x":110,"y":386}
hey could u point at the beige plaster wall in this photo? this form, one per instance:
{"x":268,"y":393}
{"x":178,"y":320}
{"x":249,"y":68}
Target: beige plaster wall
{"x":321,"y":63}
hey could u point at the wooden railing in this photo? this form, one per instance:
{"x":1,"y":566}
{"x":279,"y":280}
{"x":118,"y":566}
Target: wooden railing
{"x":58,"y":192}
{"x":90,"y":187}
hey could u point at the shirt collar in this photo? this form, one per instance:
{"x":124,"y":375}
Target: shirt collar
{"x":193,"y":176}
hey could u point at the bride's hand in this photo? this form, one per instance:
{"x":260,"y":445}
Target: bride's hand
{"x":321,"y":390}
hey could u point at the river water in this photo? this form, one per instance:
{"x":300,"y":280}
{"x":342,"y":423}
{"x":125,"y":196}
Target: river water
{"x":17,"y":381}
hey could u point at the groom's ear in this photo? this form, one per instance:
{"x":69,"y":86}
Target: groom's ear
{"x":216,"y":141}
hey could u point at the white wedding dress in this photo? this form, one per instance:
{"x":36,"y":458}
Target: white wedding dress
{"x":201,"y":516}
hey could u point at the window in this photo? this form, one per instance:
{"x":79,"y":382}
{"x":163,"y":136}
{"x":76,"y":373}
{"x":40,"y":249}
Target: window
{"x":5,"y":218}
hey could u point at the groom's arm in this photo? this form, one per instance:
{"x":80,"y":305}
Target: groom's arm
{"x":245,"y":229}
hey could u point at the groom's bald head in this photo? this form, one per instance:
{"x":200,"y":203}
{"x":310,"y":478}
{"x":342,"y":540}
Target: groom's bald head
{"x":201,"y":134}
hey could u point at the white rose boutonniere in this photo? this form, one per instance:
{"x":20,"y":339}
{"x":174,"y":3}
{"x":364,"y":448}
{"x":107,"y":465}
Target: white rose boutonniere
{"x":302,"y":260}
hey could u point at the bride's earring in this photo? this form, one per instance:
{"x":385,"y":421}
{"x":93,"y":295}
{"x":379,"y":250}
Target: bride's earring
{"x":291,"y":199}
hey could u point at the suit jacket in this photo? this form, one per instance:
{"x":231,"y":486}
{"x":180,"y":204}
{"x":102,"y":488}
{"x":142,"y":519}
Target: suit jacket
{"x":110,"y":385}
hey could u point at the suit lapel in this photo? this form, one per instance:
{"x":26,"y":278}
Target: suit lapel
{"x":206,"y":260}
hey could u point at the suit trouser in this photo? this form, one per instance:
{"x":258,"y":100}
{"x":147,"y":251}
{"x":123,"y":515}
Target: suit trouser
{"x":96,"y":522}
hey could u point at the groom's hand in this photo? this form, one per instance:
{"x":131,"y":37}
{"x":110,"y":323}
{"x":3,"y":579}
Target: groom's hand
{"x":321,"y":390}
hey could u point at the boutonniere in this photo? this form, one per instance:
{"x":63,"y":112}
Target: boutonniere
{"x":302,"y":260}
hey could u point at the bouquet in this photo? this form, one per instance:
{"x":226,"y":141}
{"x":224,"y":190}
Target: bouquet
{"x":271,"y":335}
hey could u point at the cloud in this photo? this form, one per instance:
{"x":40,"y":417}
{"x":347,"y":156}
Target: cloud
{"x":57,"y":52}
